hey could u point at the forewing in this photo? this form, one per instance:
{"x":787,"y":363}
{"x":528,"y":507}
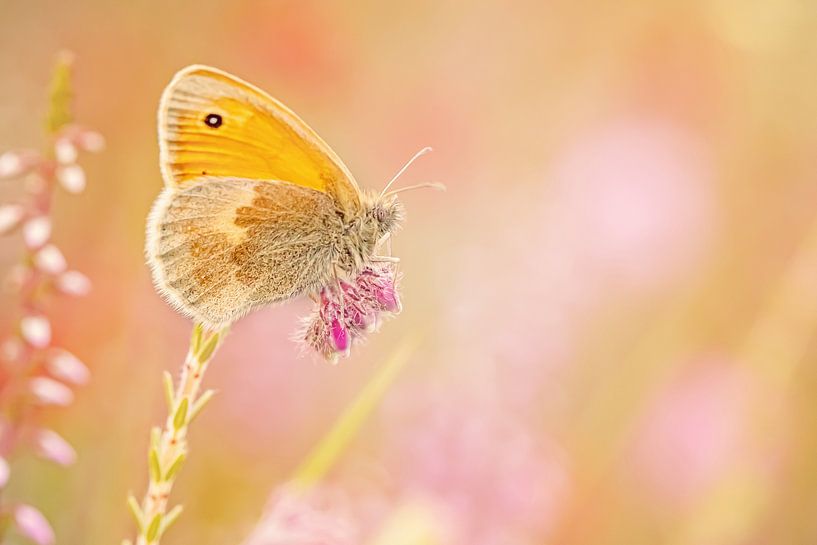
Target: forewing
{"x":220,"y":247}
{"x":214,"y":124}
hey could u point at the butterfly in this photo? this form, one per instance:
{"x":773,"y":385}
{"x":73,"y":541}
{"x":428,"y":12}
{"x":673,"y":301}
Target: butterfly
{"x":256,"y":207}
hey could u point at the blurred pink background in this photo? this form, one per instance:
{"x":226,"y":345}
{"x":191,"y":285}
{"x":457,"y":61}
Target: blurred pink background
{"x":616,"y":295}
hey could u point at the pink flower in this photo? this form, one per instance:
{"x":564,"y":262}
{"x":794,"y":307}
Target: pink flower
{"x":308,"y":518}
{"x":52,"y":447}
{"x":14,"y":164}
{"x":72,"y":178}
{"x":65,"y":366}
{"x":10,"y":217}
{"x":5,"y":472}
{"x":692,"y":431}
{"x":345,"y":313}
{"x":33,"y":525}
{"x":65,"y":151}
{"x":36,"y":331}
{"x":50,"y":260}
{"x":37,"y":231}
{"x":73,"y":283}
{"x":50,"y":392}
{"x":469,"y":454}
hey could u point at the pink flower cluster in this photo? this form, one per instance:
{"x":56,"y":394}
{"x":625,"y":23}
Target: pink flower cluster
{"x":33,"y":372}
{"x":304,"y":518}
{"x":347,"y":311}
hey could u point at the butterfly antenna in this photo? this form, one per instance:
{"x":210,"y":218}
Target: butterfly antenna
{"x":402,"y":170}
{"x":434,"y":185}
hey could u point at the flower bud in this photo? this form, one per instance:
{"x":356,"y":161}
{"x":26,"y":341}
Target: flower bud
{"x":50,"y":392}
{"x":51,"y":446}
{"x":10,"y":217}
{"x":65,"y":151}
{"x":36,"y":331}
{"x":73,"y":283}
{"x":50,"y":260}
{"x":33,"y":525}
{"x":65,"y":366}
{"x":72,"y":178}
{"x":37,"y":231}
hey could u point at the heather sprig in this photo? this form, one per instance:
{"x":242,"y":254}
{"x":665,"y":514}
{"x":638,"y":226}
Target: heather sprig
{"x":34,"y":372}
{"x":168,"y":446}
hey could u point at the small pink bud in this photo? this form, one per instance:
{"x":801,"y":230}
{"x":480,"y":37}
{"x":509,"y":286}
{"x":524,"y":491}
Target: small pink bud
{"x":36,"y":330}
{"x":11,"y":350}
{"x":10,"y":217}
{"x":65,"y":151}
{"x":11,"y":164}
{"x":72,"y":178}
{"x":50,"y":260}
{"x":17,"y":277}
{"x":50,"y":392}
{"x":37,"y":231}
{"x":52,"y":447}
{"x":73,"y":283}
{"x":5,"y":472}
{"x":91,"y":140}
{"x":33,"y":525}
{"x":65,"y":366}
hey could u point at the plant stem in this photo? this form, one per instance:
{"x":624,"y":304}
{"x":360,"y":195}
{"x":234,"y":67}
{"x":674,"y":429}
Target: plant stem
{"x":168,"y":446}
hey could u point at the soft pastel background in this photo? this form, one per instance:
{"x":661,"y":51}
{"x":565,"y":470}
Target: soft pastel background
{"x":617,"y":294}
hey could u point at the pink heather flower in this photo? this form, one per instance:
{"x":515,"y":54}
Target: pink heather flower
{"x":11,"y":164}
{"x":65,"y":366}
{"x":90,"y":140}
{"x":468,"y":453}
{"x":50,"y":260}
{"x":5,"y":472}
{"x":309,"y":518}
{"x":37,"y":231}
{"x":50,"y":392}
{"x":692,"y":431}
{"x":52,"y":447}
{"x":10,"y":217}
{"x":65,"y":151}
{"x":72,"y":178}
{"x":11,"y":350}
{"x":36,"y":331}
{"x":345,"y":313}
{"x":33,"y":525}
{"x":73,"y":283}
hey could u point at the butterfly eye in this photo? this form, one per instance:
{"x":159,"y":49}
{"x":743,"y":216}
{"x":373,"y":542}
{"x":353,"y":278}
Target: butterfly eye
{"x":213,"y":120}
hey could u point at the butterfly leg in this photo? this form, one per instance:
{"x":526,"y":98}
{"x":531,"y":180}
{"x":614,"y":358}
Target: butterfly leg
{"x":384,"y":259}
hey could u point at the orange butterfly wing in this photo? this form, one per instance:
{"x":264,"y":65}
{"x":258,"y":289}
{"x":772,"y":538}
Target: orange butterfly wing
{"x":214,"y":124}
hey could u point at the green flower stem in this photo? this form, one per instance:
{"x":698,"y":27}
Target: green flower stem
{"x":168,"y":446}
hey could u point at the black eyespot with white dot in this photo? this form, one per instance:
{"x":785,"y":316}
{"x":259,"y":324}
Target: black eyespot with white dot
{"x":213,"y":120}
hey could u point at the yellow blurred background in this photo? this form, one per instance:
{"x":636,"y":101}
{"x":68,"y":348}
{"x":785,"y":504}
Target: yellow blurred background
{"x":617,"y":295}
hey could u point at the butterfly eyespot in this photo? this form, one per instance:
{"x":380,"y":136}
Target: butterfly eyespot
{"x":213,"y":120}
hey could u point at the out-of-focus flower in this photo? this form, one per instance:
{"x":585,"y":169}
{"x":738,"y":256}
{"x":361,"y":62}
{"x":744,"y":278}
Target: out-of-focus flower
{"x":304,"y":518}
{"x":73,"y":283}
{"x":65,"y":366}
{"x":90,"y":140}
{"x":5,"y":472}
{"x":691,"y":431}
{"x":50,"y":260}
{"x":72,"y":178}
{"x":36,"y":330}
{"x":33,"y":525}
{"x":37,"y":231}
{"x":50,"y":392}
{"x":65,"y":151}
{"x":51,"y":446}
{"x":503,"y":482}
{"x":11,"y":349}
{"x":10,"y":217}
{"x":345,"y":313}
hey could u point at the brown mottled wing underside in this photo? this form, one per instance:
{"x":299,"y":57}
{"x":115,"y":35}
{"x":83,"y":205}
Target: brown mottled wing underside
{"x":223,"y":246}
